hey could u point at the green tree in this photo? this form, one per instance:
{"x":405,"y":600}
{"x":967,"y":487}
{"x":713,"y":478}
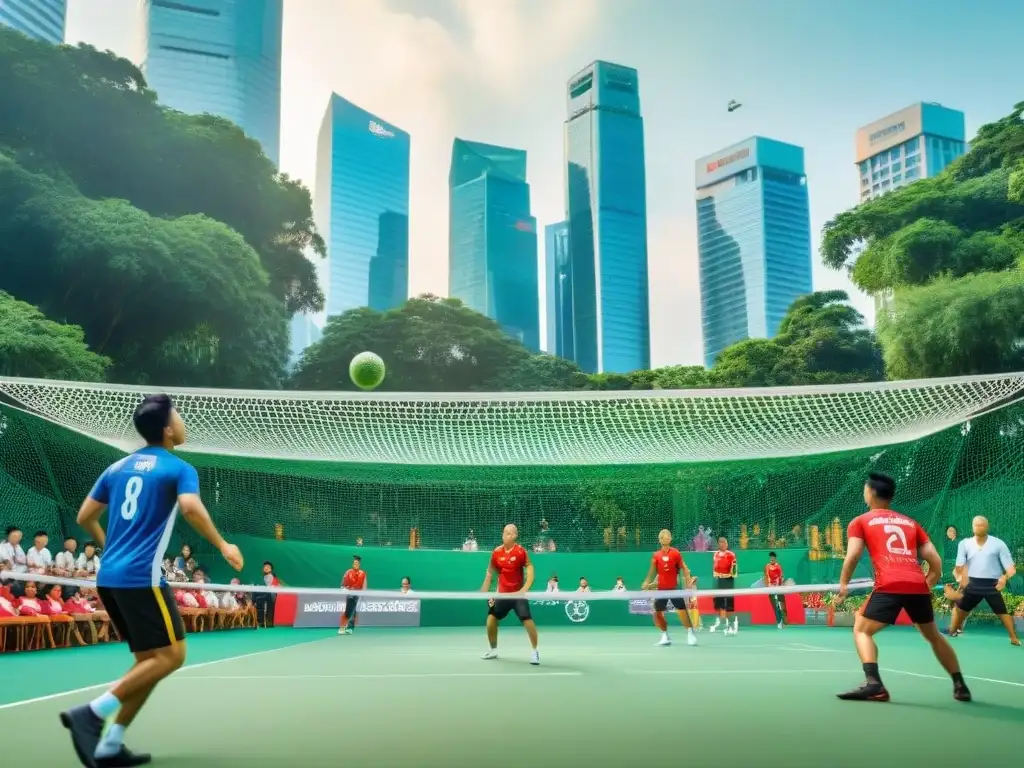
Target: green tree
{"x":539,"y":373}
{"x":90,"y":115}
{"x":35,"y":347}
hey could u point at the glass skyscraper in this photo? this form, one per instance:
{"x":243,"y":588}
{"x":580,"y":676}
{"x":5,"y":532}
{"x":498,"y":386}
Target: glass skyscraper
{"x":39,"y":19}
{"x":558,"y":290}
{"x":492,"y":238}
{"x":606,"y":208}
{"x":361,"y":207}
{"x":754,"y":240}
{"x":221,"y":57}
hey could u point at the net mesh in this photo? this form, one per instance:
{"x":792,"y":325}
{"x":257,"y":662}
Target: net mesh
{"x":337,"y":469}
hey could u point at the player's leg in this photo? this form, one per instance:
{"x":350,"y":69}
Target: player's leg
{"x":522,"y":609}
{"x":496,"y":611}
{"x":779,"y":607}
{"x":348,"y":618}
{"x":963,"y":603}
{"x":880,"y":611}
{"x":148,"y":620}
{"x":730,"y":608}
{"x":998,"y":605}
{"x":719,"y":605}
{"x":660,"y":622}
{"x":919,"y":609}
{"x":684,"y":618}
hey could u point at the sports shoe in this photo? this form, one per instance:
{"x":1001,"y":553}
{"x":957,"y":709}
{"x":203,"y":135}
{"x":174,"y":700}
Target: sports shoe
{"x":961,"y":692}
{"x":491,"y":654}
{"x":866,"y":692}
{"x":124,"y":759}
{"x":691,"y":638}
{"x":535,"y":658}
{"x":665,"y":641}
{"x":781,"y":625}
{"x":716,"y":625}
{"x":86,"y":729}
{"x":341,"y":630}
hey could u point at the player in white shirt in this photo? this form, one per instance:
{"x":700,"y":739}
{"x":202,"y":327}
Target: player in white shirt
{"x":12,"y":556}
{"x":89,"y":561}
{"x":584,"y":585}
{"x":620,"y":585}
{"x":39,"y":559}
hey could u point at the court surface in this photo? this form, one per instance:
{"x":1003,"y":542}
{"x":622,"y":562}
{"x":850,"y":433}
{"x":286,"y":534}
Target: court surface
{"x":602,"y":697}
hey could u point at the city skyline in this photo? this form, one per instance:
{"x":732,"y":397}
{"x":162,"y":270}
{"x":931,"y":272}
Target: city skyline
{"x":497,"y":72}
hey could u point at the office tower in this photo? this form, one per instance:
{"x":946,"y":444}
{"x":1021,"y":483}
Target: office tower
{"x":39,"y":19}
{"x":221,"y":57}
{"x":558,"y":290}
{"x":361,"y":207}
{"x":754,"y":240}
{"x":606,"y":207}
{"x":914,"y":143}
{"x":304,"y":331}
{"x":492,"y":238}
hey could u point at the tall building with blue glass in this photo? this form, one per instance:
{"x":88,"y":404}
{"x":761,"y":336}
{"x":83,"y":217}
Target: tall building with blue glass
{"x":221,"y":57}
{"x":606,"y":208}
{"x":39,"y":19}
{"x":558,"y":291}
{"x":361,"y":207}
{"x":753,"y":238}
{"x":492,"y":238}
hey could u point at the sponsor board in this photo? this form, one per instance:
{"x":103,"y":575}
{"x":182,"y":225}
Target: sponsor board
{"x":315,"y":611}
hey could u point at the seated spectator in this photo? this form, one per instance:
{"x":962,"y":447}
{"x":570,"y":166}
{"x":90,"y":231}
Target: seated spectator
{"x":584,"y":586}
{"x":88,"y":562}
{"x":207,"y":597}
{"x":185,"y":562}
{"x":78,"y":604}
{"x":552,"y":583}
{"x":470,"y":545}
{"x":620,"y":585}
{"x":229,"y":600}
{"x":53,"y":604}
{"x":12,"y":556}
{"x":30,"y":604}
{"x":64,"y":564}
{"x":406,"y":585}
{"x":186,"y":598}
{"x":39,"y":559}
{"x":8,"y":609}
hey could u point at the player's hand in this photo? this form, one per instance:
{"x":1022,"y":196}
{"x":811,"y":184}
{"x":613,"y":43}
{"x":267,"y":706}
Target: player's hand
{"x":1001,"y":584}
{"x":233,"y":555}
{"x":490,"y":603}
{"x":840,"y":595}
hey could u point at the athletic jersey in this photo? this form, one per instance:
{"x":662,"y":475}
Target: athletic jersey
{"x":773,"y":575}
{"x":892,"y":541}
{"x":354,"y":579}
{"x":510,"y":565}
{"x":668,"y":562}
{"x":724,"y":562}
{"x":142,"y":493}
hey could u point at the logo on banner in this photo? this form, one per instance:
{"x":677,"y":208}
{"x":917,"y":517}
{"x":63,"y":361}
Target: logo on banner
{"x":389,"y":606}
{"x":577,"y":611}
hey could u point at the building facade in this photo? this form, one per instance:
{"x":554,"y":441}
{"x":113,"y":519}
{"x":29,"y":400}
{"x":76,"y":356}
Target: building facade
{"x":492,"y":238}
{"x":558,"y":291}
{"x":39,"y":19}
{"x":606,"y":209}
{"x":754,"y":240}
{"x":305,"y":330}
{"x":361,"y":208}
{"x":915,"y":143}
{"x":221,"y":57}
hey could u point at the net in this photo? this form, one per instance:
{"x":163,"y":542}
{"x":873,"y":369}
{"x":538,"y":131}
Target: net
{"x":781,"y":468}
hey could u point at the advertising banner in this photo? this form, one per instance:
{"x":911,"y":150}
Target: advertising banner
{"x":641,"y":607}
{"x":317,"y":611}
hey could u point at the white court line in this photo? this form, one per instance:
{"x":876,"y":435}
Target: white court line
{"x":735,"y":671}
{"x":74,"y":691}
{"x":471,"y":652}
{"x":966,"y":677}
{"x":382,"y":676}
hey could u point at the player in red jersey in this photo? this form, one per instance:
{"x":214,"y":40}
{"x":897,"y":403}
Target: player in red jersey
{"x":354,"y":580}
{"x":724,"y":569}
{"x":894,"y":543}
{"x":668,"y":563}
{"x":515,"y":577}
{"x":773,"y":578}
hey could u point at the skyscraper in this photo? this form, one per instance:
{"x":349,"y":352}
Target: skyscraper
{"x":606,"y":208}
{"x":492,"y":238}
{"x":558,"y":290}
{"x":39,"y":19}
{"x":754,"y":240}
{"x":221,"y":57}
{"x":361,"y":206}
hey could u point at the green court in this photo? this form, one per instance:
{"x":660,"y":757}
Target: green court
{"x":601,"y":697}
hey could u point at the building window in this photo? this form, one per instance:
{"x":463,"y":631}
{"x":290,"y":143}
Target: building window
{"x":895,"y":153}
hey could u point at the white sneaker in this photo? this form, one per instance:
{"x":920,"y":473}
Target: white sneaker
{"x":665,"y":640}
{"x":691,"y":638}
{"x":491,"y":654}
{"x":534,"y":658}
{"x":780,"y":625}
{"x":716,"y":625}
{"x":341,"y":631}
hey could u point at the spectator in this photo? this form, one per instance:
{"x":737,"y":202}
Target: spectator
{"x":29,"y":604}
{"x":39,"y":558}
{"x":64,"y":562}
{"x":88,"y":561}
{"x":552,"y":583}
{"x":795,"y":538}
{"x":359,"y":541}
{"x":8,"y":610}
{"x":620,"y":585}
{"x":406,"y":585}
{"x":53,"y":604}
{"x":231,"y":601}
{"x":12,"y":556}
{"x":544,"y":542}
{"x":470,"y":545}
{"x":78,"y":604}
{"x":584,"y":586}
{"x":208,"y":597}
{"x":186,"y":598}
{"x":264,"y":601}
{"x":185,"y":562}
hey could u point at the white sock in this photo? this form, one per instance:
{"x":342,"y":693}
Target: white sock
{"x":105,"y":705}
{"x":111,"y":742}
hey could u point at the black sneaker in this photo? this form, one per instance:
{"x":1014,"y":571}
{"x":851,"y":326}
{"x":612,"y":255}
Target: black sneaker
{"x":961,"y":692}
{"x":123,"y":759}
{"x":86,"y":728}
{"x":867,"y":692}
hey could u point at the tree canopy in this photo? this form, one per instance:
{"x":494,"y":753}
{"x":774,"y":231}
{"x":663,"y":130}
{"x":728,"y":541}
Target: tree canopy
{"x":951,"y":250}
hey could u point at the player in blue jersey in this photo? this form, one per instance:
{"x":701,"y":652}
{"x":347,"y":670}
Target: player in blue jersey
{"x":144,"y":492}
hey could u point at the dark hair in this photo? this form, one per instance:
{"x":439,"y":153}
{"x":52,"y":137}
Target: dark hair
{"x":12,"y":529}
{"x":772,"y":554}
{"x":267,"y":562}
{"x":357,"y":559}
{"x":883,"y":486}
{"x":724,"y":537}
{"x":406,"y":578}
{"x":583,"y":578}
{"x":71,"y":538}
{"x":956,"y":531}
{"x":41,"y":533}
{"x":90,"y":543}
{"x":151,"y":418}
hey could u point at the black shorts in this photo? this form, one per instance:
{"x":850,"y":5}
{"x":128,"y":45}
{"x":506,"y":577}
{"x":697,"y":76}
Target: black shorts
{"x":147,"y":618}
{"x":885,"y":607}
{"x":351,"y":605}
{"x":727,"y":604}
{"x":678,"y":603}
{"x":499,"y":609}
{"x":982,"y":589}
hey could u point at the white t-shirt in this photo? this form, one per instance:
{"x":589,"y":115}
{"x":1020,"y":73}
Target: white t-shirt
{"x":39,"y":559}
{"x":619,"y":588}
{"x":552,"y":586}
{"x":65,"y":560}
{"x":89,"y":565}
{"x":11,"y":553}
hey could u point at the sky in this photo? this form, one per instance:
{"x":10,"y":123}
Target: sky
{"x":808,"y":72}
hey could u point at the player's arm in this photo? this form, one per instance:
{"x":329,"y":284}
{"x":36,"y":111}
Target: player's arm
{"x":92,"y":508}
{"x":854,"y":552}
{"x":684,"y":571}
{"x":530,"y":573}
{"x":649,"y":578}
{"x":930,"y":555}
{"x":492,"y":568}
{"x":960,"y":567}
{"x":1009,"y":569}
{"x":734,"y":572}
{"x":196,"y":515}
